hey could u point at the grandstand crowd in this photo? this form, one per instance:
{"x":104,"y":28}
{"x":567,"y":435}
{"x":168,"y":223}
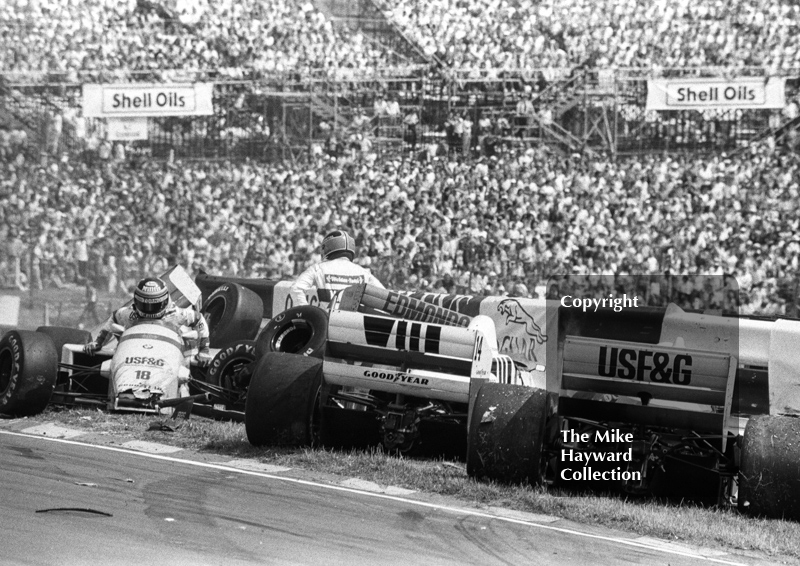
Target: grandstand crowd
{"x":268,"y":36}
{"x":469,"y":224}
{"x":261,"y":36}
{"x":504,"y":34}
{"x":499,"y":225}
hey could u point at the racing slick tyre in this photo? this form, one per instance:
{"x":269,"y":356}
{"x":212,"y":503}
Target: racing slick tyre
{"x":298,"y":330}
{"x":61,"y":335}
{"x":28,"y":369}
{"x":769,"y":470}
{"x":506,"y":434}
{"x":225,"y":369}
{"x":233,"y":313}
{"x":281,"y":400}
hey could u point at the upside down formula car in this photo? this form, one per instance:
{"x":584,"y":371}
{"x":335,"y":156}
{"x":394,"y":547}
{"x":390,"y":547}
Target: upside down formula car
{"x":526,"y":390}
{"x":640,"y":399}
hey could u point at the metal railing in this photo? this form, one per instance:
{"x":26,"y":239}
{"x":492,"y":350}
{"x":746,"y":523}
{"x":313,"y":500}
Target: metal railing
{"x":576,"y":110}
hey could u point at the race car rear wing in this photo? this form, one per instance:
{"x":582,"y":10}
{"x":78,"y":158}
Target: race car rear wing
{"x":398,"y":356}
{"x":644,"y":384}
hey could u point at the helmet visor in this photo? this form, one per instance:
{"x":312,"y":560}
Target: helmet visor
{"x":150,"y":307}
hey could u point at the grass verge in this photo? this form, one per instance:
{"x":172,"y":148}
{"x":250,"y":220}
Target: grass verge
{"x":723,"y":529}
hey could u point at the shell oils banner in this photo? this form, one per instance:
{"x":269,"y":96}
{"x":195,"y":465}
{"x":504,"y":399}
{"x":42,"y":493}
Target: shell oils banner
{"x":142,"y":100}
{"x":705,"y":94}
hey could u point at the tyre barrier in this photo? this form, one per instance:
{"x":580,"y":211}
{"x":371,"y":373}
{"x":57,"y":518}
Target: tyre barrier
{"x":233,"y":313}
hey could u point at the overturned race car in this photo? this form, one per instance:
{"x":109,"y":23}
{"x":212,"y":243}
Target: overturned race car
{"x":643,"y":400}
{"x":372,"y":378}
{"x":528,"y":391}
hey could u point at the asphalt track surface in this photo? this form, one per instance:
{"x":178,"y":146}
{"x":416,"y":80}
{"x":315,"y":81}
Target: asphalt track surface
{"x":70,"y":503}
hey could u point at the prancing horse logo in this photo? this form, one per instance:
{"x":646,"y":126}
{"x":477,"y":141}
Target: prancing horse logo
{"x":515,"y":313}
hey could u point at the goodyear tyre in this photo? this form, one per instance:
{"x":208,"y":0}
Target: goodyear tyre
{"x":300,"y":330}
{"x":28,"y":369}
{"x":281,"y":400}
{"x":769,"y":471}
{"x":233,"y":313}
{"x":61,"y":335}
{"x":261,"y":287}
{"x":506,"y":434}
{"x":226,"y":368}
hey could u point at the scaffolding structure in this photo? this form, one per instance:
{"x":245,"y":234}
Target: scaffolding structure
{"x":407,"y":108}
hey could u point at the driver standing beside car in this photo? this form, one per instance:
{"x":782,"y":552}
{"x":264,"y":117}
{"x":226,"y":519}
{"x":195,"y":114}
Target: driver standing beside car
{"x":334,"y":273}
{"x":151,"y":301}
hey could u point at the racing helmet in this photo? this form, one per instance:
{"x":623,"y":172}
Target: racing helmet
{"x":338,"y":244}
{"x":151,"y":297}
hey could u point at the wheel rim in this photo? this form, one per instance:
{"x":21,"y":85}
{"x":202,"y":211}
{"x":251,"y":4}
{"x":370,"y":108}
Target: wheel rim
{"x":226,"y":377}
{"x":293,"y":337}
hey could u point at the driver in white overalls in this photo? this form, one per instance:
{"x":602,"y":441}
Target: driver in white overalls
{"x":334,"y":273}
{"x":151,"y":301}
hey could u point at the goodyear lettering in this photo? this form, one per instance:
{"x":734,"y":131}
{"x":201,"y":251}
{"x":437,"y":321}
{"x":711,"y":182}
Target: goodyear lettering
{"x":242,"y":353}
{"x":219,"y":359}
{"x":641,"y":365}
{"x":396,"y":377}
{"x":409,"y":308}
{"x":144,"y":361}
{"x":16,"y":350}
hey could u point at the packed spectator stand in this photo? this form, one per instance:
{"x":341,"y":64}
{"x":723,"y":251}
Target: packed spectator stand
{"x":250,"y":37}
{"x":453,"y":222}
{"x":610,"y":33}
{"x":278,"y":35}
{"x":499,"y":225}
